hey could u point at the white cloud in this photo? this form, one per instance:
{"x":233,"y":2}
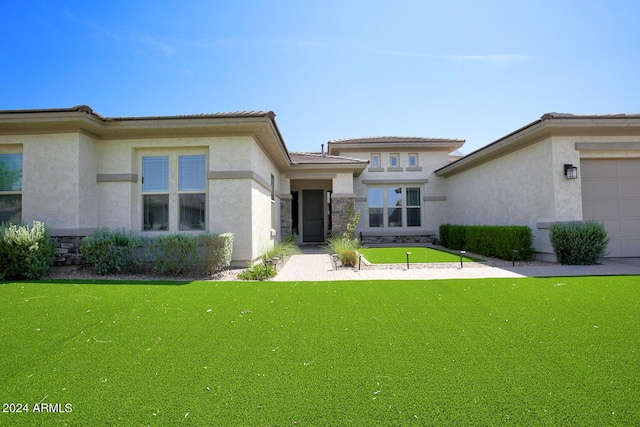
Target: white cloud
{"x":157,"y":45}
{"x":488,"y":58}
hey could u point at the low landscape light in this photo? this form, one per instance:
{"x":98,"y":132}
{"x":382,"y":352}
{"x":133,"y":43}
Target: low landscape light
{"x":462,"y":253}
{"x":408,"y":253}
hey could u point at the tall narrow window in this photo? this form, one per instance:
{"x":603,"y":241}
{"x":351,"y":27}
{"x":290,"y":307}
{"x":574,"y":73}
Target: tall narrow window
{"x":394,"y":160}
{"x":413,"y":160}
{"x":273,"y":188}
{"x":376,"y":207}
{"x":155,"y":189}
{"x":191,"y":195}
{"x":394,"y":206}
{"x":375,"y":160}
{"x":413,"y":207}
{"x":11,"y":188}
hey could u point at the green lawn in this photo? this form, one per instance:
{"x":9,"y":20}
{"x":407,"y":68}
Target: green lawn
{"x":553,"y":351}
{"x":398,"y":255}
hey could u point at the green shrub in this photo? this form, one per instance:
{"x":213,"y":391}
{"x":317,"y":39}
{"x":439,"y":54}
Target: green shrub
{"x":281,"y":249}
{"x":489,"y":240}
{"x":578,"y":243}
{"x":345,"y":248}
{"x":453,"y":236}
{"x":175,"y":253}
{"x":26,"y":252}
{"x":258,"y":271}
{"x":111,"y":251}
{"x":219,"y":250}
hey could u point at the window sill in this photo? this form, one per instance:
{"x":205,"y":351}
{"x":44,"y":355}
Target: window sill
{"x":375,"y":170}
{"x":396,"y":169}
{"x":414,"y":169}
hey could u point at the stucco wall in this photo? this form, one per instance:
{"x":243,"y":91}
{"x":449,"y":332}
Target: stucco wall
{"x":265,"y":212}
{"x":66,"y":195}
{"x":88,"y":202}
{"x":434,"y":210}
{"x":526,"y":187}
{"x":50,"y":180}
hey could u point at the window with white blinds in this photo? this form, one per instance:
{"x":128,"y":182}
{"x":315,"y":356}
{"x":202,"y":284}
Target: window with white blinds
{"x":155,"y":174}
{"x":191,"y":171}
{"x":174,"y":192}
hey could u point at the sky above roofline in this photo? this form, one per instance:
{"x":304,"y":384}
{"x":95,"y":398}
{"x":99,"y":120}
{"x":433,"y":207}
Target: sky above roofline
{"x":330,"y":70}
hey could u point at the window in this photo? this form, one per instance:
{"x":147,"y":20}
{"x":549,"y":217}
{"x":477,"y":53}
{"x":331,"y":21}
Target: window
{"x":273,"y":188}
{"x":157,"y":187}
{"x":191,"y":186}
{"x":413,"y":160}
{"x":394,"y":207}
{"x":394,"y":160}
{"x":413,"y":206}
{"x":375,"y":160}
{"x":11,"y":188}
{"x":376,"y":207}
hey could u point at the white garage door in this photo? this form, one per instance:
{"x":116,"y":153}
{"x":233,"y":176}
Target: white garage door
{"x":611,"y":195}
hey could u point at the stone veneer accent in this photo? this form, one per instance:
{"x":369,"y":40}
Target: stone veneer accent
{"x":339,"y":209}
{"x":68,"y":251}
{"x":377,"y":239}
{"x":286,"y":217}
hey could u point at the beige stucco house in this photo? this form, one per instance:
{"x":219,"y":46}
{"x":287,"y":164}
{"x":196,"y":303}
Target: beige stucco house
{"x":78,"y":171}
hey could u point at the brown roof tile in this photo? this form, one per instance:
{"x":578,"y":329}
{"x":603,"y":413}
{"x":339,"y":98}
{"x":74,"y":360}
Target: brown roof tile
{"x":318,"y":158}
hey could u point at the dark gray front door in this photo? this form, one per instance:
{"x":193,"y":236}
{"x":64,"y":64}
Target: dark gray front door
{"x":313,"y":215}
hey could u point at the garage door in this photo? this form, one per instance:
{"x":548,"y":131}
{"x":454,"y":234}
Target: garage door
{"x":611,"y":195}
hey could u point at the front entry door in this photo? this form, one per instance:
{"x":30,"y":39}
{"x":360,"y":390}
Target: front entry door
{"x":313,"y":215}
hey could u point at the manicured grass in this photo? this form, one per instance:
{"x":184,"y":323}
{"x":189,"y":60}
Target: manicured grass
{"x":398,"y":255}
{"x":553,"y":351}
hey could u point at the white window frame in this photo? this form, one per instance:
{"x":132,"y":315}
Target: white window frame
{"x":414,"y":156}
{"x":14,"y":191}
{"x":374,"y":157}
{"x":394,"y":156}
{"x":386,"y":208}
{"x":174,"y":192}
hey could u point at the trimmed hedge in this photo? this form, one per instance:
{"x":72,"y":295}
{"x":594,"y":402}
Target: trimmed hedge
{"x":112,"y":251}
{"x":578,"y":243}
{"x":26,"y":252}
{"x":497,"y":241}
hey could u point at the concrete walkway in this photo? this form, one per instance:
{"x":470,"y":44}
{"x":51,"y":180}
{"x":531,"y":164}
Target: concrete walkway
{"x":316,"y":265}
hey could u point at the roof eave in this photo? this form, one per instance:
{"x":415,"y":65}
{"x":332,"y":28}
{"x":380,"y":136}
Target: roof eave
{"x":335,"y":147}
{"x":355,"y":168}
{"x":260,"y":125}
{"x":548,"y":125}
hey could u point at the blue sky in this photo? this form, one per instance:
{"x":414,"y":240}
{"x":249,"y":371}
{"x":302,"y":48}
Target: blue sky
{"x":331,"y":69}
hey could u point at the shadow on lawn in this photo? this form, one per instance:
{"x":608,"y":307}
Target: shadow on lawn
{"x":110,"y":282}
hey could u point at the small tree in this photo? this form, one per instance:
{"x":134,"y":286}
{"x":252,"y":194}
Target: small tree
{"x":351,"y":221}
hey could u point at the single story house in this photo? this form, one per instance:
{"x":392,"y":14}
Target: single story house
{"x":78,"y":171}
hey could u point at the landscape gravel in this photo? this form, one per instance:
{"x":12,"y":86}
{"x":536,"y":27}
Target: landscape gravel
{"x":231,"y":274}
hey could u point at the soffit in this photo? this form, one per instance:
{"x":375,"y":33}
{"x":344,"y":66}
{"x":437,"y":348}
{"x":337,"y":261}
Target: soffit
{"x":552,"y":124}
{"x":381,"y":143}
{"x":259,"y":125}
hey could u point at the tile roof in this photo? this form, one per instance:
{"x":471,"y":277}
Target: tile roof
{"x":89,"y":110}
{"x":391,"y":139}
{"x":588,"y":116}
{"x":318,"y":158}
